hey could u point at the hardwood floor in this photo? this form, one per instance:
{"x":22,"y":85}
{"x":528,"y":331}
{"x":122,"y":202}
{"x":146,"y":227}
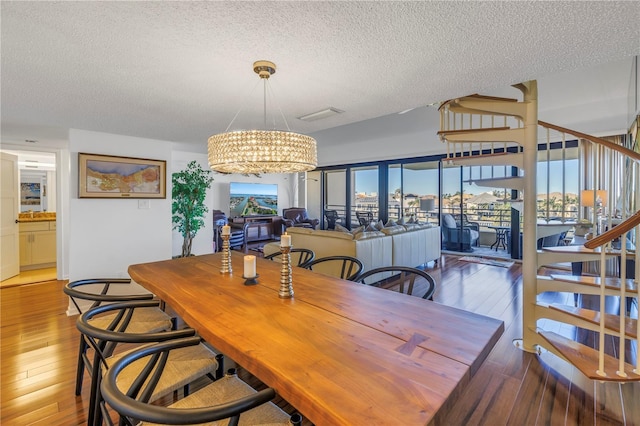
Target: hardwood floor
{"x":512,"y":387}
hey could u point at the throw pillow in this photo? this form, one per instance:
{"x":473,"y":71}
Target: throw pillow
{"x":341,"y":228}
{"x":401,"y":221}
{"x":357,"y":230}
{"x":390,"y":223}
{"x":370,"y":228}
{"x":379,"y":225}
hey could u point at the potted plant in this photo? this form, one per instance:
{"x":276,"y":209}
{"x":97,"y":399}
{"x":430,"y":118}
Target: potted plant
{"x":188,"y":209}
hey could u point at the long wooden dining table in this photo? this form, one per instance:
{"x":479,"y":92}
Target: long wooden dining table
{"x":341,"y":353}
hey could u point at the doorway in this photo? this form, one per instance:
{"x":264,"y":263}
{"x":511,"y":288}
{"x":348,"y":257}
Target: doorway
{"x":37,"y":217}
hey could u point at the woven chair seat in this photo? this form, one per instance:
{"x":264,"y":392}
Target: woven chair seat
{"x":143,"y":320}
{"x":183,"y":367}
{"x":229,"y":388}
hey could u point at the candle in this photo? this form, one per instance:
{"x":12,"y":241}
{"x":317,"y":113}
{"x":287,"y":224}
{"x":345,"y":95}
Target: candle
{"x":226,"y":230}
{"x":285,"y":240}
{"x":249,"y":266}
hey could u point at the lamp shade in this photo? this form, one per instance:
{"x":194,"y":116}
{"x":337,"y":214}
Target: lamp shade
{"x":262,"y":151}
{"x":587,"y":197}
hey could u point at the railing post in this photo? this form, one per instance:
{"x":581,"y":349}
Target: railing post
{"x":529,"y":248}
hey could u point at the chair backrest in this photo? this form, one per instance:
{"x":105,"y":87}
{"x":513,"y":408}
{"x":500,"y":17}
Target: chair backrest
{"x":332,"y":218}
{"x":103,"y":338}
{"x":296,"y":214}
{"x":345,"y":267}
{"x":132,"y":403}
{"x":404,"y":279}
{"x":100,"y":294}
{"x":364,"y":218}
{"x":299,"y":256}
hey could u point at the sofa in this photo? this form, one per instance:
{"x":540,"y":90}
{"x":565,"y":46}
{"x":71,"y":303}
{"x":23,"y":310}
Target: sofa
{"x":398,"y":245}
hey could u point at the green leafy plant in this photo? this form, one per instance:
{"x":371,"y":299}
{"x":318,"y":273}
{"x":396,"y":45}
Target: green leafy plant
{"x":188,"y":209}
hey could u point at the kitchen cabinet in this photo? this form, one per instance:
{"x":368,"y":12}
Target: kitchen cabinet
{"x":37,"y":244}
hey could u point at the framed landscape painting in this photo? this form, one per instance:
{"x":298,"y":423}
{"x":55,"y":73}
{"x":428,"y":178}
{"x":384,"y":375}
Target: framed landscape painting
{"x":106,"y":176}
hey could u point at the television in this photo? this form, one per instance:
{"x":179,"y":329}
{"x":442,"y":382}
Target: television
{"x":246,"y":199}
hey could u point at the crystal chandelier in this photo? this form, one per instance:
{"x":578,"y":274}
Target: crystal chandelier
{"x":262,"y":151}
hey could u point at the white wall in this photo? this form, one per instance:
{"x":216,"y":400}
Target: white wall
{"x":108,"y":235}
{"x":593,"y":101}
{"x":218,"y":197}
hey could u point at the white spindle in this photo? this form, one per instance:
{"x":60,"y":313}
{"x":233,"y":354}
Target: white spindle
{"x":623,"y":304}
{"x":603,"y":265}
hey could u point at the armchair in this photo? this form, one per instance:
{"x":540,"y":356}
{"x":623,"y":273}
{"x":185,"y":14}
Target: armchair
{"x":465,"y":222}
{"x":238,"y":236}
{"x":298,"y":217}
{"x":456,"y":237}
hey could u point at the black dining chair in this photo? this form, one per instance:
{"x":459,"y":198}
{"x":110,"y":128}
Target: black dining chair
{"x":186,"y":366}
{"x":403,"y":279}
{"x":345,"y":267}
{"x":226,"y":398}
{"x":102,"y":291}
{"x":299,"y":256}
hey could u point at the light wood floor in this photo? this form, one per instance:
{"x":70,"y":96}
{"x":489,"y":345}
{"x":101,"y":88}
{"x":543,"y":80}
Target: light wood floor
{"x":39,"y":349}
{"x":30,"y":277}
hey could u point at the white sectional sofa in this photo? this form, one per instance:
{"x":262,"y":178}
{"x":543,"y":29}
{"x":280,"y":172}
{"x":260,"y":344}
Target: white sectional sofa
{"x":400,"y":245}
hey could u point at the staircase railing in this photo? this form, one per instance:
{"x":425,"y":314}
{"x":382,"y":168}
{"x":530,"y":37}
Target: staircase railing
{"x":478,"y":128}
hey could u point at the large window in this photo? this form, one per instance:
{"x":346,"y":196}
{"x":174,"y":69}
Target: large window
{"x":413,"y":191}
{"x":558,"y":184}
{"x":364,"y":193}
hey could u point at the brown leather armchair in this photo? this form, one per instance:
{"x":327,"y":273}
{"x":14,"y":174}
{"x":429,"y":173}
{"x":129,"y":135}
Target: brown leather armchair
{"x":298,"y":217}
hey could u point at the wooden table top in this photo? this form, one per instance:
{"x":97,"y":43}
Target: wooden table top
{"x":341,"y":353}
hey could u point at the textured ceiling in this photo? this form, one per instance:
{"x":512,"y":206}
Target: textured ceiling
{"x":180,"y":71}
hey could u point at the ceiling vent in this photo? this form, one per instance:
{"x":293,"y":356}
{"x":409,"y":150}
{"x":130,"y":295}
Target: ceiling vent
{"x":319,"y":115}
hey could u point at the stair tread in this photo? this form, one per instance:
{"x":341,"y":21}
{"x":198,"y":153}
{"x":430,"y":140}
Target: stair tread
{"x":610,"y":282}
{"x":585,"y":359}
{"x":462,"y":131}
{"x":490,"y":98}
{"x":612,"y":322}
{"x":571,"y":249}
{"x":480,"y":97}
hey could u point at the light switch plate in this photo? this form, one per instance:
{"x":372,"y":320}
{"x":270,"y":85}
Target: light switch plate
{"x":143,"y":204}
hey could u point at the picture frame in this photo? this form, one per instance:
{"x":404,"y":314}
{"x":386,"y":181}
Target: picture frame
{"x":108,"y":176}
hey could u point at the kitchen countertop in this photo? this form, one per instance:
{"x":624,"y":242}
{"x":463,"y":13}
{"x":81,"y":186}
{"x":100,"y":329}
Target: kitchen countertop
{"x":37,"y":217}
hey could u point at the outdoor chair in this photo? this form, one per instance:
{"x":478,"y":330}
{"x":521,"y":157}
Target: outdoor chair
{"x":364,"y":218}
{"x":458,"y":238}
{"x":332,"y":218}
{"x":226,"y":398}
{"x":404,"y":279}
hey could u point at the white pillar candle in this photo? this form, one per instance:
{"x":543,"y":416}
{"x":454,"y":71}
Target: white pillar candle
{"x":285,"y":240}
{"x":249,"y":266}
{"x":226,"y":230}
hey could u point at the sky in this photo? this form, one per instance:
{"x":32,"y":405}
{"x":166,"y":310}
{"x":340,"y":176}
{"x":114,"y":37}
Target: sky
{"x":425,"y":182}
